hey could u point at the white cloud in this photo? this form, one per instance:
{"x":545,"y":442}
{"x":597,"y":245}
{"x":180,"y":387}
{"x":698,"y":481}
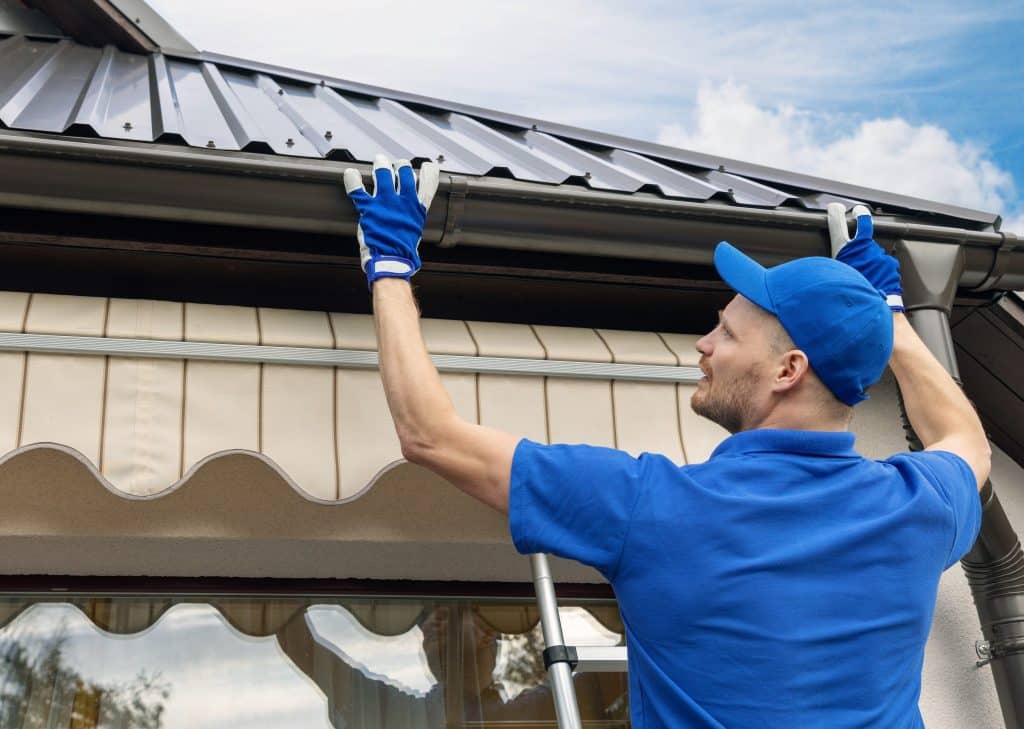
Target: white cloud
{"x":890,"y":154}
{"x":1015,"y":222}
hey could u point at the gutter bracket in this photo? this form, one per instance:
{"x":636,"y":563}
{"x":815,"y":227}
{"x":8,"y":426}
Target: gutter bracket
{"x":999,"y":262}
{"x":457,"y":190}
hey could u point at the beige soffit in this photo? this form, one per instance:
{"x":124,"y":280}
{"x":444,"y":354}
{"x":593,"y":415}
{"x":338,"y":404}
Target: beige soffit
{"x":287,"y":439}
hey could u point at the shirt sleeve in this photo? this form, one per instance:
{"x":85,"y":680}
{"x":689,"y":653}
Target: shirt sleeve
{"x":955,"y":483}
{"x":574,"y":501}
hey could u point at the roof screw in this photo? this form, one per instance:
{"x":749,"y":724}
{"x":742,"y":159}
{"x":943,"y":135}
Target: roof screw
{"x":328,"y":136}
{"x":721,"y":168}
{"x":127,"y":126}
{"x":730,"y":191}
{"x":533,"y":127}
{"x":211,"y":144}
{"x":138,"y":21}
{"x":290,"y":142}
{"x":587,"y":175}
{"x":322,"y":82}
{"x":280,"y":92}
{"x":440,"y":158}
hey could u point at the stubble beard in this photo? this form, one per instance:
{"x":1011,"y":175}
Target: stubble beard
{"x":727,"y":405}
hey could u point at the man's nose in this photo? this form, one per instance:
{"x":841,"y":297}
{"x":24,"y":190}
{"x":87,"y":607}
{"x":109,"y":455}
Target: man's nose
{"x":703,"y":345}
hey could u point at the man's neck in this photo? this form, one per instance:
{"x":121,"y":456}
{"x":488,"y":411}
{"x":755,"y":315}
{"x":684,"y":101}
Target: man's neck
{"x":797,"y":418}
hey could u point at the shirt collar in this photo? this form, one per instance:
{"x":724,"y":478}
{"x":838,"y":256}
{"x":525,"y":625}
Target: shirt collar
{"x":802,"y":442}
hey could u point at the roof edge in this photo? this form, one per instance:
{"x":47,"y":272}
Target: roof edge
{"x":131,"y":25}
{"x":154,"y":25}
{"x":758,"y":172}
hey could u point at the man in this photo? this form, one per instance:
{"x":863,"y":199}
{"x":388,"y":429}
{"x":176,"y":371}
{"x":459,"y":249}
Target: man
{"x":786,"y":582}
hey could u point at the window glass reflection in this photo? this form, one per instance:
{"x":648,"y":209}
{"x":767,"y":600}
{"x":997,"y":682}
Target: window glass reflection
{"x":519,"y":665}
{"x":167,"y":663}
{"x":189,"y":669}
{"x":397,"y":660}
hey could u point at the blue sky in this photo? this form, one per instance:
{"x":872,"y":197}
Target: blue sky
{"x":921,"y":98}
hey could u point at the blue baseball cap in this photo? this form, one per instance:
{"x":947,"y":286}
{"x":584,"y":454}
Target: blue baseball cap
{"x":830,"y":311}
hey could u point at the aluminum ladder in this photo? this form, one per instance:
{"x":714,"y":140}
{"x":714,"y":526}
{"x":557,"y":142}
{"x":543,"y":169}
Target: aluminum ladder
{"x":563,"y":660}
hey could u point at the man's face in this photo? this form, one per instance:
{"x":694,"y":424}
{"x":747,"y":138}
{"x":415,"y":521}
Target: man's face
{"x":734,"y":359}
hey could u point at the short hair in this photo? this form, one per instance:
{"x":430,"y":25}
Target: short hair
{"x":831,"y":406}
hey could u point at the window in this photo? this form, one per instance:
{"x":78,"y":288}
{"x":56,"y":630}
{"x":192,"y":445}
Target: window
{"x":166,"y":662}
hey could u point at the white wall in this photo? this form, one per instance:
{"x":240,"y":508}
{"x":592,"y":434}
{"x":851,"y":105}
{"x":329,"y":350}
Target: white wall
{"x":955,"y":694}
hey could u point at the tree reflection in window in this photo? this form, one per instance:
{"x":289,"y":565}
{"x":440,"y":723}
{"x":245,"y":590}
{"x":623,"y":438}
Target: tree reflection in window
{"x":40,"y":690}
{"x":189,"y":669}
{"x":520,"y":665}
{"x":92,"y":662}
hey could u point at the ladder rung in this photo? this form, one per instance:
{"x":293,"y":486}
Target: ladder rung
{"x":600,"y":659}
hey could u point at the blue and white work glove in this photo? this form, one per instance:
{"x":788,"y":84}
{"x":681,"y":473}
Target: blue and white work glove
{"x":865,"y":255}
{"x":391,"y":220}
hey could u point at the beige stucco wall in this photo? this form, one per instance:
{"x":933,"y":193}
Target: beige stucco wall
{"x":955,"y":694}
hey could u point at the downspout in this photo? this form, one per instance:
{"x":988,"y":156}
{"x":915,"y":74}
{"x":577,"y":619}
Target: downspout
{"x":995,"y":564}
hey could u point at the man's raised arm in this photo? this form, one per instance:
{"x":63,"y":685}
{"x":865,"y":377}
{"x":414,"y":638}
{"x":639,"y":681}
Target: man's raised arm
{"x":941,"y":415}
{"x":474,"y":458}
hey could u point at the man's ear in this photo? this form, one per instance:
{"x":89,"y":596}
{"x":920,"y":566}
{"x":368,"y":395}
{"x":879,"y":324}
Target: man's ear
{"x":791,"y":369}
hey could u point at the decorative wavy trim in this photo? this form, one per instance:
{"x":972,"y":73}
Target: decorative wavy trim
{"x":228,"y":517}
{"x":229,"y":612}
{"x":177,"y":485}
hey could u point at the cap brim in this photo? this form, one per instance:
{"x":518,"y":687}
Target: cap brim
{"x":744,"y":275}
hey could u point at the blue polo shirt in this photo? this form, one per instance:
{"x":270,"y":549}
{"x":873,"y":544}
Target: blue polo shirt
{"x":788,"y":582}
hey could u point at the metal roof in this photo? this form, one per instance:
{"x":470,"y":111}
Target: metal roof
{"x":17,"y":18}
{"x":207,"y":101}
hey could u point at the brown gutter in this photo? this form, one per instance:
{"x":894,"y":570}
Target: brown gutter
{"x":172,"y":183}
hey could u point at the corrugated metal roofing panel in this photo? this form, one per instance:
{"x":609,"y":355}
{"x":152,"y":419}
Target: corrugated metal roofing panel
{"x":167,"y":112}
{"x":262,"y":115}
{"x":208,"y":101}
{"x":597,"y":172}
{"x":205,"y":121}
{"x":672,"y":183}
{"x":24,"y":67}
{"x":821,"y":200}
{"x":504,"y":152}
{"x":333,"y":122}
{"x":747,"y":192}
{"x":116,"y":103}
{"x":50,"y":86}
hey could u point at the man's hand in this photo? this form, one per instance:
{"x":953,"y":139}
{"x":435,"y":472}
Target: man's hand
{"x":865,"y":255}
{"x":940,"y":414}
{"x":391,"y":220}
{"x":472,"y":457}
